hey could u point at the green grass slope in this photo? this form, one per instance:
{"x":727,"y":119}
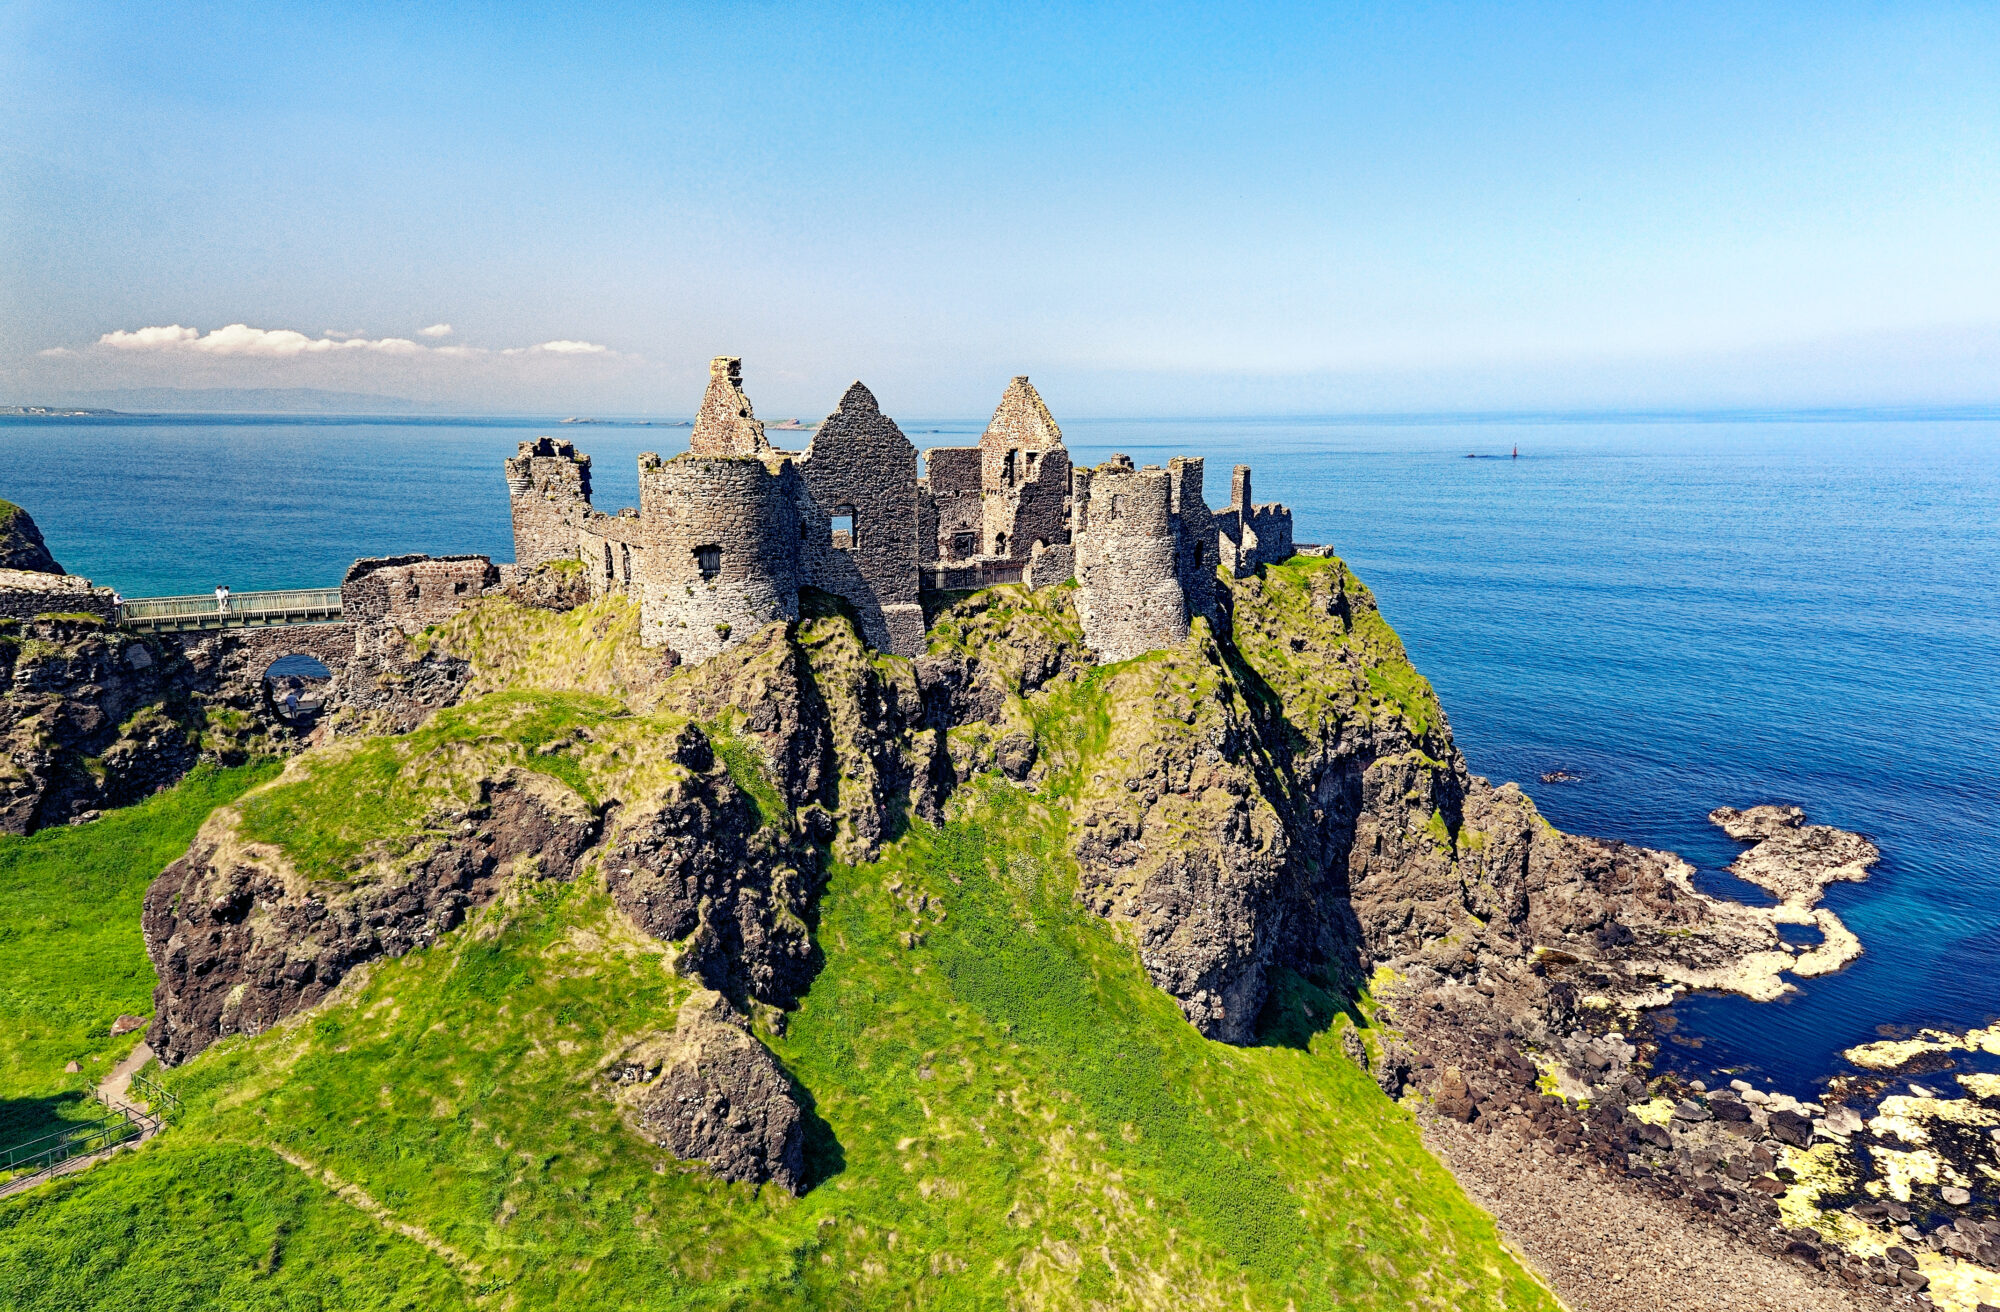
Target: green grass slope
{"x":72,"y":958}
{"x":1002,"y":1110}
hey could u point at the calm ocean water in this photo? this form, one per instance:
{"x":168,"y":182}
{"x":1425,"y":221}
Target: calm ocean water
{"x":1685,"y":614}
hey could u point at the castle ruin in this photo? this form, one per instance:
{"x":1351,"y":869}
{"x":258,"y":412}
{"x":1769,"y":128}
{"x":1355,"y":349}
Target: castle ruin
{"x":727,"y":533}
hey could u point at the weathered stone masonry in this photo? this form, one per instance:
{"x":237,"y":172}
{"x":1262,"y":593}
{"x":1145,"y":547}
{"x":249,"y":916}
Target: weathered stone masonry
{"x":726,"y":534}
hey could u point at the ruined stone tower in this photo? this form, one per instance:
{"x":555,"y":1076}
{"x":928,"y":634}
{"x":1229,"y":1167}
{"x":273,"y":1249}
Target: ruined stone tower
{"x":1145,"y":559}
{"x":548,"y":488}
{"x":1248,"y":536}
{"x":721,"y":551}
{"x":725,"y":425}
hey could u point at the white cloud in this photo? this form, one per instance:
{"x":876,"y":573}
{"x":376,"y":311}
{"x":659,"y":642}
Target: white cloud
{"x":285,"y":343}
{"x":150,"y":339}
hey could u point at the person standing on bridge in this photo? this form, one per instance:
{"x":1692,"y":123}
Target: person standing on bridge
{"x":222,"y":598}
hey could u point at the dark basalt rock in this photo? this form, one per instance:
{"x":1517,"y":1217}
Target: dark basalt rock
{"x":240,"y":941}
{"x":721,"y":1098}
{"x":21,"y":544}
{"x":701,"y":862}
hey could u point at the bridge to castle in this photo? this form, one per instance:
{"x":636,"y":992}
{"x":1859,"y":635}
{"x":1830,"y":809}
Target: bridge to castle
{"x":246,"y":610}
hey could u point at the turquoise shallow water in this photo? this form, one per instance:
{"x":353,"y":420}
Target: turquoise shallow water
{"x":1685,"y":614}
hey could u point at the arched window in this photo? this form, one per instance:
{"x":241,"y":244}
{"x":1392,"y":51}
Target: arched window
{"x":708,"y":560}
{"x":999,"y":544}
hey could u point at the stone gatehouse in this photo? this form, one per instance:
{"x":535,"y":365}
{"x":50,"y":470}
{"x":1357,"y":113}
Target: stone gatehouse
{"x":727,"y":533}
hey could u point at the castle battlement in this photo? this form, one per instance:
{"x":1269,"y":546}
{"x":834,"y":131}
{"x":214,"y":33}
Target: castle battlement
{"x":726,"y":534}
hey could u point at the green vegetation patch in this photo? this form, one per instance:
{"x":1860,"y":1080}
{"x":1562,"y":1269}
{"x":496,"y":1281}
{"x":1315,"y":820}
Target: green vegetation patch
{"x":72,"y":958}
{"x":1003,"y":1110}
{"x":208,"y":1226}
{"x":338,"y":809}
{"x":1311,"y":631}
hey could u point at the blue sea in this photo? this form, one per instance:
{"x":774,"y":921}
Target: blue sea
{"x":1683,"y":612}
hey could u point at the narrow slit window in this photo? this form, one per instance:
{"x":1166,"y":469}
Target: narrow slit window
{"x":608,"y":575}
{"x":625,"y":553}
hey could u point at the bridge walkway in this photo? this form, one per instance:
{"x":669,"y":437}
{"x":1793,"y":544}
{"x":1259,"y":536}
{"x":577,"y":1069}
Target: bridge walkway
{"x":246,"y":610}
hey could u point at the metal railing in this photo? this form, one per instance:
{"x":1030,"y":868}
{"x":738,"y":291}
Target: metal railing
{"x":114,"y":1125}
{"x":162,"y":1102}
{"x":967,"y":575}
{"x":245,"y":610}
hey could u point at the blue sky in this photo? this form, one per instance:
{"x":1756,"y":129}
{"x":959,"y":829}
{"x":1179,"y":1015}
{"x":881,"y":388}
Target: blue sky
{"x":1155,"y":210}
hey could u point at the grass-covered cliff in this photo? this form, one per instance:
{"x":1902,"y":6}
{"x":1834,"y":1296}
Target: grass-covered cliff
{"x":982,"y":909}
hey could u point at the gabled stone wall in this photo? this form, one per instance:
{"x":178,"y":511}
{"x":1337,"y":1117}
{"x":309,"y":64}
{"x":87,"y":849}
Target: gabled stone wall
{"x":1024,"y":474}
{"x":862,"y":471}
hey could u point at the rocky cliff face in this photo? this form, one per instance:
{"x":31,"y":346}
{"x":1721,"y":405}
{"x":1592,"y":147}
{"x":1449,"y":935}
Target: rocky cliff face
{"x":21,"y":544}
{"x":92,"y":716}
{"x":240,"y":939}
{"x":1280,"y":794}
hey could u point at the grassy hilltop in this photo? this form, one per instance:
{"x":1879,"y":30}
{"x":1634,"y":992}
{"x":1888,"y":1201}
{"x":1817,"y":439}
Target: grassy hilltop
{"x":1002,"y":1109}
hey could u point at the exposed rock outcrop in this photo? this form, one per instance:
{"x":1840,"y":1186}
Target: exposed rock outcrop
{"x":702,"y":863}
{"x":241,"y":940}
{"x":710,"y":1092}
{"x":92,"y":716}
{"x":21,"y":544}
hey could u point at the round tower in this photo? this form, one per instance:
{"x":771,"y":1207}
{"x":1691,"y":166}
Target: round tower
{"x":721,"y":557}
{"x":1129,"y":591}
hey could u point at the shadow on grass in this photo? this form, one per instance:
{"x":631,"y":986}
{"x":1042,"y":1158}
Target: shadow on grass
{"x":1296,"y":1009}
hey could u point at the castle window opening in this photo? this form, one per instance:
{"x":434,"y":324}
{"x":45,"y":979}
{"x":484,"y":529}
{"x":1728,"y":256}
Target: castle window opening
{"x":1007,"y":470}
{"x":964,"y":544}
{"x":999,"y":544}
{"x":1031,"y":463}
{"x":608,"y":576}
{"x":1118,"y":506}
{"x":843,"y":528}
{"x":625,"y":553}
{"x":708,"y":560}
{"x":458,"y":588}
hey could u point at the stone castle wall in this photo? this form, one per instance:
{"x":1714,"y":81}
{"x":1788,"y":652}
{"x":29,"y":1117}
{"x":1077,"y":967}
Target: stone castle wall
{"x":1250,"y":535}
{"x":412,"y":592}
{"x":951,"y":487}
{"x":726,"y":535}
{"x":25,"y":594}
{"x":548,"y":489}
{"x":721,"y":552}
{"x":613,"y":551}
{"x":725,"y":424}
{"x":1144,"y":560}
{"x":862,"y":471}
